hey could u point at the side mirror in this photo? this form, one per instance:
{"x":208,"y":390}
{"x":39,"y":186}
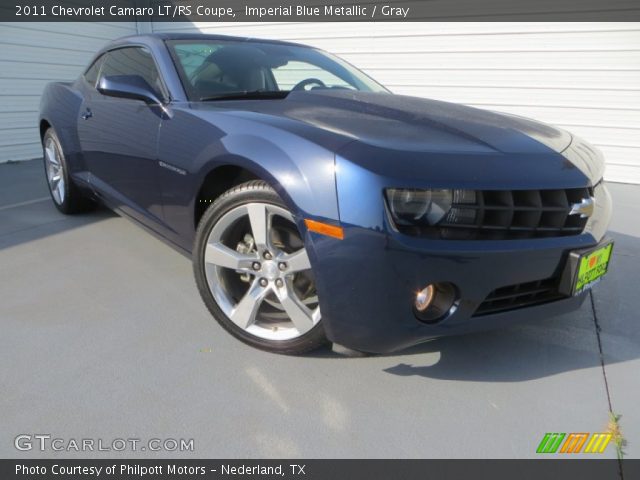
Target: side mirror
{"x":128,"y":86}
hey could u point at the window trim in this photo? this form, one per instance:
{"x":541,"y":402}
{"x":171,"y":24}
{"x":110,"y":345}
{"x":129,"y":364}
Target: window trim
{"x":99,"y":58}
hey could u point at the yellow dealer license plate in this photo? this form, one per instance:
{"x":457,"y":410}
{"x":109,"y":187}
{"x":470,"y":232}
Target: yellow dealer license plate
{"x":592,"y":266}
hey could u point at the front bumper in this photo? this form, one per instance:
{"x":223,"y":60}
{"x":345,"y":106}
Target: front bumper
{"x":367,"y":282}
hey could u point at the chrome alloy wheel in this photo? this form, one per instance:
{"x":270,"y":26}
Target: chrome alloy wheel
{"x":55,"y":171}
{"x":259,"y":274}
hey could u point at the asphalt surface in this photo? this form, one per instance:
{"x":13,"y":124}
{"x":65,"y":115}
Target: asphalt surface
{"x":104,"y":336}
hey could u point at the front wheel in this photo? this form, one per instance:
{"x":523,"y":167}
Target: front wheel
{"x":254,"y":274}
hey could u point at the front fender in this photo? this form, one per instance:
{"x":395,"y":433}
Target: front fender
{"x":193,"y":144}
{"x":302,"y":173}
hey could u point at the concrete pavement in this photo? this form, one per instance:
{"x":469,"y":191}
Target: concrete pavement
{"x":104,"y":336}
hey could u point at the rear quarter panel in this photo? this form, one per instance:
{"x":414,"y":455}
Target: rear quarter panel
{"x":60,"y":107}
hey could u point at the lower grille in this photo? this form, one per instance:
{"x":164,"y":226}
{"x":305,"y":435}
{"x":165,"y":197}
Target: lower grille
{"x":519,"y":296}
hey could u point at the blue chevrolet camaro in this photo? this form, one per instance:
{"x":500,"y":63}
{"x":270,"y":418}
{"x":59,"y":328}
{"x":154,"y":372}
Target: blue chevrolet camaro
{"x":317,"y":205}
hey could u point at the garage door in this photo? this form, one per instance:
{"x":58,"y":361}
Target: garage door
{"x":581,"y":76}
{"x":32,"y":54}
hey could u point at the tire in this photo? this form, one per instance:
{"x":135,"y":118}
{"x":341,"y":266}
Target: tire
{"x":66,"y":196}
{"x":253,"y":272}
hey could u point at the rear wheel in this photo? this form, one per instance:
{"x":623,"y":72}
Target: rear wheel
{"x":253,"y":271}
{"x":65,"y":195}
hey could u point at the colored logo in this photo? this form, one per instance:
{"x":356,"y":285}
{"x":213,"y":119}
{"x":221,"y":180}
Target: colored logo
{"x":574,"y":443}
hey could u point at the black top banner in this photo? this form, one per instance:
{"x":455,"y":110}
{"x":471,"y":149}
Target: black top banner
{"x":318,"y":11}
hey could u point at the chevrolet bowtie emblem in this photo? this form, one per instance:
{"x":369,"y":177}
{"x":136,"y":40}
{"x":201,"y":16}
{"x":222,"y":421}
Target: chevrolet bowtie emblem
{"x":584,"y":208}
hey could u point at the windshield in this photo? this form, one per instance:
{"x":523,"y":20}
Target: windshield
{"x":218,"y":69}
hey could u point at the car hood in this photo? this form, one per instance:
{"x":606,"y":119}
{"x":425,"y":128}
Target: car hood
{"x":405,"y":123}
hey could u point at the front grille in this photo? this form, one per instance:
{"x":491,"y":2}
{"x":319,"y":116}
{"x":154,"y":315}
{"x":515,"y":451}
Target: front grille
{"x":509,"y":214}
{"x":519,"y":296}
{"x":502,"y":214}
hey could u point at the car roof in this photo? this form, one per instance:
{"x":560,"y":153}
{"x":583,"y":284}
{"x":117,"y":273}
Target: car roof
{"x":155,"y":38}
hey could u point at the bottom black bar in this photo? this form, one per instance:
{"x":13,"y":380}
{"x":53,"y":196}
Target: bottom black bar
{"x":582,"y":469}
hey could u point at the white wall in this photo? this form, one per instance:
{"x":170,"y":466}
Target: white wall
{"x":581,"y":76}
{"x":32,"y":54}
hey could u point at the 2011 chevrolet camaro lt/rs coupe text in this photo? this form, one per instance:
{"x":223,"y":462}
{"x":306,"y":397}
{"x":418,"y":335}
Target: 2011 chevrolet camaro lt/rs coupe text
{"x":317,"y":205}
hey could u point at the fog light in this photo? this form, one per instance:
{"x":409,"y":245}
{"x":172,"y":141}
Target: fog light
{"x":424,"y":298}
{"x":435,"y":302}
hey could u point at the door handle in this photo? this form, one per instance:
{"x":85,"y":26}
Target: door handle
{"x":87,"y":114}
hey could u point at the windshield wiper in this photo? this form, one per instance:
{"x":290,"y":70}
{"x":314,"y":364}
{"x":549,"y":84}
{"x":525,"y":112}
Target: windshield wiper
{"x":247,"y":95}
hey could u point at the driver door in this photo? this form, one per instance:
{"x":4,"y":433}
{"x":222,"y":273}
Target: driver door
{"x":124,"y":161}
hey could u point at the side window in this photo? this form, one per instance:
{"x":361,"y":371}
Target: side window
{"x":133,"y":61}
{"x":91,"y":75}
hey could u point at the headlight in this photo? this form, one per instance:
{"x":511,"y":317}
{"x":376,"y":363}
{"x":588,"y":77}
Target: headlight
{"x":412,"y":206}
{"x":429,"y":207}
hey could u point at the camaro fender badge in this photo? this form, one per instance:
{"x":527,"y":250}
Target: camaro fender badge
{"x":172,"y":168}
{"x":584,"y":208}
